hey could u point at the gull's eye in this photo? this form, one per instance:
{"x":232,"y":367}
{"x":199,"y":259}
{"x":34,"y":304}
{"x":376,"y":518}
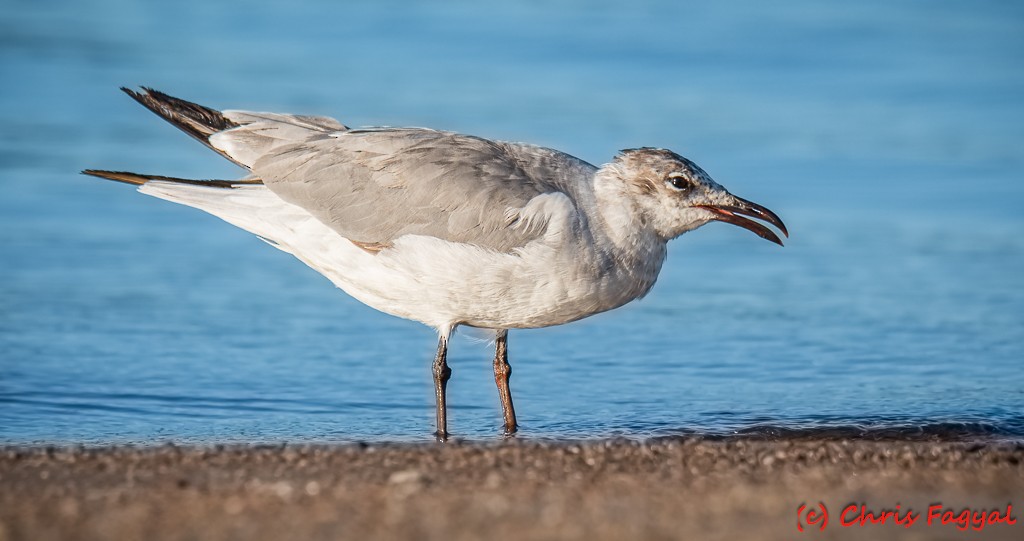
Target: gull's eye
{"x":678,"y":182}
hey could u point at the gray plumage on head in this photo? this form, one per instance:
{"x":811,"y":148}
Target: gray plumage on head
{"x":648,"y":167}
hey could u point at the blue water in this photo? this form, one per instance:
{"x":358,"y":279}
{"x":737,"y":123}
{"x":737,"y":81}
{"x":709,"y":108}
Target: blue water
{"x":889,"y":136}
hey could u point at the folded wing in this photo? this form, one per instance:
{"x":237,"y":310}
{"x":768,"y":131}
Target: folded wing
{"x":373,"y":186}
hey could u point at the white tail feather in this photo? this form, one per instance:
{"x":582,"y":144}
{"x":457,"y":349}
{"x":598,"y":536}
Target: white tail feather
{"x":253,"y":208}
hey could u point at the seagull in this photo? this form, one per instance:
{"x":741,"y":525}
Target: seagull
{"x":449,"y":229}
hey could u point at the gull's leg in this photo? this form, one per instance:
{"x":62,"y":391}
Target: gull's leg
{"x":502,"y":372}
{"x":441,"y":375}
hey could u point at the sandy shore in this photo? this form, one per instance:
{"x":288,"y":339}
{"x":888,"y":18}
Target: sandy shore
{"x":664,"y":489}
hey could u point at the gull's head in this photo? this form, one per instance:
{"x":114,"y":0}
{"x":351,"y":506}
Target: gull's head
{"x":671,"y":195}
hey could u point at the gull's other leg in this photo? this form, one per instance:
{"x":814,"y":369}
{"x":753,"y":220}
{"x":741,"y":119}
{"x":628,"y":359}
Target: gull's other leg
{"x":441,"y":375}
{"x":502,"y":373}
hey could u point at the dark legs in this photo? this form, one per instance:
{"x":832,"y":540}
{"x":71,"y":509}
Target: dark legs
{"x":441,"y":375}
{"x":502,"y":372}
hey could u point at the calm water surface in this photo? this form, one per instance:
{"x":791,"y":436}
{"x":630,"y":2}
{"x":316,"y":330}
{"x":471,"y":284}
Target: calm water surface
{"x":889,"y":137}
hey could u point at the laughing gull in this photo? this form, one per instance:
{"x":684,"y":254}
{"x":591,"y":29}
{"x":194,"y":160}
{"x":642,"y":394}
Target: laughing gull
{"x":450,"y":229}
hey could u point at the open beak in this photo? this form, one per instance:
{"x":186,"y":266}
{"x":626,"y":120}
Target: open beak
{"x":735,"y":214}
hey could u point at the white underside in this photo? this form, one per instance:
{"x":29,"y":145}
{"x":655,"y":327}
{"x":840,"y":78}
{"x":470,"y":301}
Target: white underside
{"x":442,"y":284}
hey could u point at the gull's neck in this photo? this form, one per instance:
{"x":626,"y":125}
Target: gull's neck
{"x":633,"y":244}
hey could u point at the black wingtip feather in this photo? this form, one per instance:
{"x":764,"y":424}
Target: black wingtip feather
{"x":196,"y":120}
{"x":119,"y":176}
{"x":138,"y":179}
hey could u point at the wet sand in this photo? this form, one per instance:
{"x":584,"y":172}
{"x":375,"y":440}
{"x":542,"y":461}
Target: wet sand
{"x":691,"y":488}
